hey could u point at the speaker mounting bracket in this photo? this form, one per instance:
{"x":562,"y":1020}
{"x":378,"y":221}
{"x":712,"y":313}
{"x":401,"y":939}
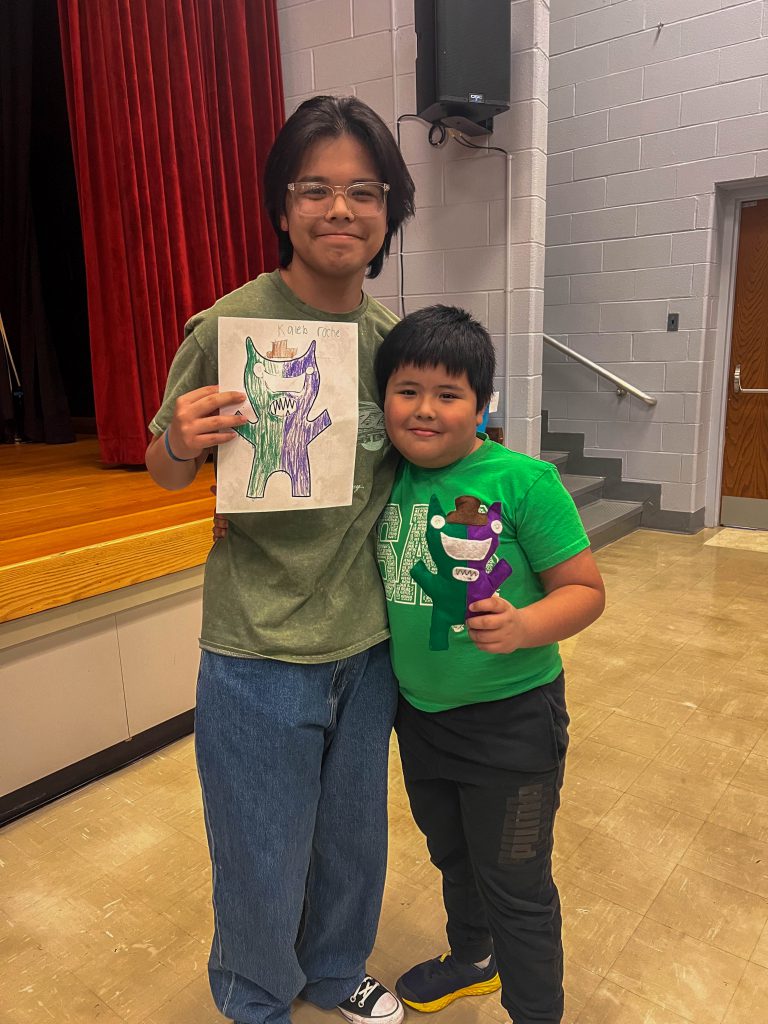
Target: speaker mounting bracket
{"x":467,"y":127}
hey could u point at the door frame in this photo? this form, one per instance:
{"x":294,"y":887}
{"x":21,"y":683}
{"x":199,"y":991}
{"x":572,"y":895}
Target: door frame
{"x":728,"y":202}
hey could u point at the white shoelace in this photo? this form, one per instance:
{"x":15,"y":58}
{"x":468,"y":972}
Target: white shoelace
{"x":363,"y":990}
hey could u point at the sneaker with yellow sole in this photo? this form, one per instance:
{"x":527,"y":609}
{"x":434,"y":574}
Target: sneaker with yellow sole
{"x":435,"y":984}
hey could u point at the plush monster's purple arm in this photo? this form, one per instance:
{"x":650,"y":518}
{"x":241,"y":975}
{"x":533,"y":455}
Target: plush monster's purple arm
{"x":499,"y":573}
{"x":487,"y":584}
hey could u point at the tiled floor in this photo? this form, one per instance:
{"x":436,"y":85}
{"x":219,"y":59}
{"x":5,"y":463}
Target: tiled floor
{"x":662,"y":852}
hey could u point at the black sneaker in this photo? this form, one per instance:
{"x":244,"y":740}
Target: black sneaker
{"x":435,"y":984}
{"x":372,"y":1003}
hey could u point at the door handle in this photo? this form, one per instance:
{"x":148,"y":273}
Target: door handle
{"x":739,"y":390}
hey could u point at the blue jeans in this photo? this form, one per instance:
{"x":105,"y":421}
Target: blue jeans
{"x":293,"y":767}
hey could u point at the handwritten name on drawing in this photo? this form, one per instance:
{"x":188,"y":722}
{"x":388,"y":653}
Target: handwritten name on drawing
{"x":291,"y":330}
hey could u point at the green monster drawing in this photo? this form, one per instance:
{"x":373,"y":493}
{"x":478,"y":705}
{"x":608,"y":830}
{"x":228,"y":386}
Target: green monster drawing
{"x":461,"y":545}
{"x":282,"y":392}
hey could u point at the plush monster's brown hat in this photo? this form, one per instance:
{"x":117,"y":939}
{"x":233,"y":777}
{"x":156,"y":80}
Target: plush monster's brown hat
{"x":467,"y":512}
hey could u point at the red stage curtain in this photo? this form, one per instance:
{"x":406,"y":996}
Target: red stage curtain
{"x":173,"y":106}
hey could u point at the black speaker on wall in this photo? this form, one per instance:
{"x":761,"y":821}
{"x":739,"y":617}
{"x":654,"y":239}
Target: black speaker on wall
{"x":462,"y":62}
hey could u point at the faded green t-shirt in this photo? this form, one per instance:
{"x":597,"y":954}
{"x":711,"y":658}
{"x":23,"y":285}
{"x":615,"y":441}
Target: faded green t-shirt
{"x":522,"y":519}
{"x":296,"y":586}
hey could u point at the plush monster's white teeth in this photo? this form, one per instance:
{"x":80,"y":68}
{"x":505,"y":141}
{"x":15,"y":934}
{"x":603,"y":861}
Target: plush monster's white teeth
{"x":464,"y":573}
{"x":465,"y":550}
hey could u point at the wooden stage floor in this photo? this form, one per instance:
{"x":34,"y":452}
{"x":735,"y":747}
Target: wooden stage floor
{"x":71,"y":528}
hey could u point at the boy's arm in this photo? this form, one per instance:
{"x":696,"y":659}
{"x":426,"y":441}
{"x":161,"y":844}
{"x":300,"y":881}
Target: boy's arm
{"x":575,"y":598}
{"x":174,"y":457}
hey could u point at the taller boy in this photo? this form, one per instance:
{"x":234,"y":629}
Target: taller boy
{"x":295,"y":694}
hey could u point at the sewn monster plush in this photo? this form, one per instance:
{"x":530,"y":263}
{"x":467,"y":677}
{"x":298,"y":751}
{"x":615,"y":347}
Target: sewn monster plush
{"x":282,"y":393}
{"x":461,"y":545}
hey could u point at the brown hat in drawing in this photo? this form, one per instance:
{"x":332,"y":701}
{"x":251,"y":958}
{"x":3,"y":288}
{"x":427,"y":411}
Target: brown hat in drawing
{"x":467,"y":512}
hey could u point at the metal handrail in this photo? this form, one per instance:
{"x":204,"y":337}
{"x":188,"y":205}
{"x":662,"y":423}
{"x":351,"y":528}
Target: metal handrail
{"x":622,"y":387}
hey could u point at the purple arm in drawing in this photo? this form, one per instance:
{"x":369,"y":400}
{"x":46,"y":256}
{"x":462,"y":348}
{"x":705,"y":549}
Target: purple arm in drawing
{"x":295,"y":456}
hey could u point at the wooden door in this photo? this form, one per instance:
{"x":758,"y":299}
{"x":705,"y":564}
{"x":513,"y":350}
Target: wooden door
{"x":745,"y":457}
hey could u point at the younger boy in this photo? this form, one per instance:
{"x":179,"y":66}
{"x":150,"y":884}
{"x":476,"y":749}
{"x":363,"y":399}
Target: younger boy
{"x":486,"y":566}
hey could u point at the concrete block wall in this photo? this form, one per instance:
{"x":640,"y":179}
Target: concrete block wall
{"x":655,"y":107}
{"x":455,"y":250}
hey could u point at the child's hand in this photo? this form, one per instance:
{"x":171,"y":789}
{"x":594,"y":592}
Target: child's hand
{"x":220,"y":523}
{"x":496,"y":626}
{"x":198,"y":422}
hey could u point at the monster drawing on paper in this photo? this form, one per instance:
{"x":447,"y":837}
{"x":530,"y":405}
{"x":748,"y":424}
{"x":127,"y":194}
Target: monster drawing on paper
{"x":282,"y":389}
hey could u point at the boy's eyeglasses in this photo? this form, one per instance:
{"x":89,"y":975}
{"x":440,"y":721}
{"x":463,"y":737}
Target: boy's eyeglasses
{"x":315,"y":199}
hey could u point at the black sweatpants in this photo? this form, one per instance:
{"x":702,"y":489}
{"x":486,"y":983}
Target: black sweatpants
{"x":484,"y":782}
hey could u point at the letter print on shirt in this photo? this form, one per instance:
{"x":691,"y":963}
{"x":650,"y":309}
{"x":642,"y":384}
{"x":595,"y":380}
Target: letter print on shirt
{"x":396,"y":564}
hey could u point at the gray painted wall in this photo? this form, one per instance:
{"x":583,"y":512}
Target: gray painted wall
{"x":653,"y":105}
{"x":455,"y":248}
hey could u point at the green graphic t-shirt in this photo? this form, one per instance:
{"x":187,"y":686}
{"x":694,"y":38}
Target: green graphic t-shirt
{"x":297,"y":586}
{"x":449,"y":536}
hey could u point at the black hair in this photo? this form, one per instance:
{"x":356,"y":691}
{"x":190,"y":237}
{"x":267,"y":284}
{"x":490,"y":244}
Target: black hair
{"x":440,"y":336}
{"x":328,"y":117}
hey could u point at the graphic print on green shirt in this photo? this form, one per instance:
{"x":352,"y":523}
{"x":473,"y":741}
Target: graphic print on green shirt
{"x":462,"y":545}
{"x":540,"y":528}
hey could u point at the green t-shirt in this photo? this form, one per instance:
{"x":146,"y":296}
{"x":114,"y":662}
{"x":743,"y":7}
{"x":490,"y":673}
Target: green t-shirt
{"x":296,"y":586}
{"x":535,"y":525}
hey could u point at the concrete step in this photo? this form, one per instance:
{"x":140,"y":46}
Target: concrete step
{"x":582,"y":488}
{"x":605,"y":520}
{"x":558,"y":458}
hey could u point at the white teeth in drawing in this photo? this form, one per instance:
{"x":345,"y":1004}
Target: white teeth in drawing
{"x":282,"y":406}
